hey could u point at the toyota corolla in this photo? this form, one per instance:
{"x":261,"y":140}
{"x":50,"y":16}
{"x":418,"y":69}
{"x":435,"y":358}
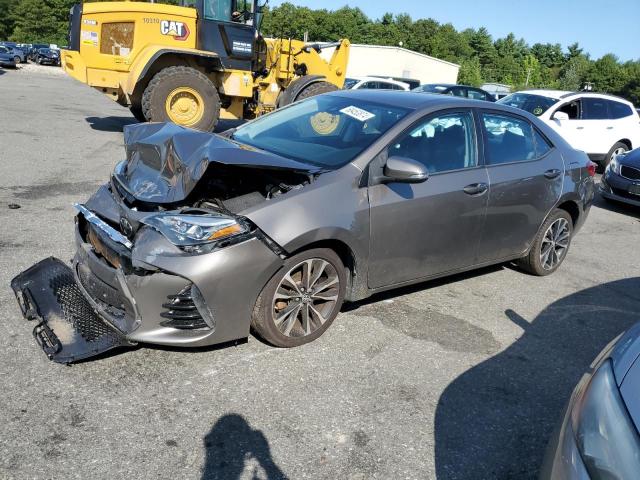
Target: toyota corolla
{"x":198,"y":238}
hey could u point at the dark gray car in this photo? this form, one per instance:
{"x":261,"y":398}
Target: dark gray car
{"x":621,"y":179}
{"x":598,"y":437}
{"x":197,"y":237}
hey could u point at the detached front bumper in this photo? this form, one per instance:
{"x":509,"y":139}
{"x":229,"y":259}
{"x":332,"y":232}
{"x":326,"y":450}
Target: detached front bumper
{"x":155,"y":293}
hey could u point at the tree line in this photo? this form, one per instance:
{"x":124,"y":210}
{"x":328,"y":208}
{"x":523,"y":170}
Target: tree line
{"x":507,"y":60}
{"x":482,"y":58}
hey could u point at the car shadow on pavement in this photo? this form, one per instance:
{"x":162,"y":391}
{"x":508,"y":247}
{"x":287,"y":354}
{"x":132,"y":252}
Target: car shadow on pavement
{"x":234,"y":450}
{"x":617,"y":207}
{"x":494,"y":420}
{"x":110,"y":124}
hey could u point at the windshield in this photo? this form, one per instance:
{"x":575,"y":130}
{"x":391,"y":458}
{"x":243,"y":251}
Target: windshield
{"x":4,"y":49}
{"x":536,"y":104}
{"x":326,"y":131}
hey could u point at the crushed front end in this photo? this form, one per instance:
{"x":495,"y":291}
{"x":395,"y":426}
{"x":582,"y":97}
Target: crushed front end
{"x":158,"y":260}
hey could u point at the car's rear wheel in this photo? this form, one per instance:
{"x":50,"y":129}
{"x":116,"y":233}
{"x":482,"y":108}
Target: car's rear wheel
{"x":550,"y":245}
{"x":301,"y":301}
{"x":618,"y":149}
{"x":17,"y":59}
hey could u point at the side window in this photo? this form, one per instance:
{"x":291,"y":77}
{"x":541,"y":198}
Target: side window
{"x":368,"y":85}
{"x":459,"y":92}
{"x":442,"y":143}
{"x":594,"y":109}
{"x":217,"y":10}
{"x":619,"y":110}
{"x":572,"y":109}
{"x":509,"y":139}
{"x":542,"y":144}
{"x":475,"y":94}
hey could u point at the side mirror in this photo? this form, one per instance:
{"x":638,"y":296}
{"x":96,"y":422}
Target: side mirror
{"x":404,"y":170}
{"x":560,"y":116}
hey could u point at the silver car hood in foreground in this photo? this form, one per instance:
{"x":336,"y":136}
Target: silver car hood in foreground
{"x":166,"y":161}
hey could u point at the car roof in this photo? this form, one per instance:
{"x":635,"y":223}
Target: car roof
{"x":420,"y":100}
{"x":563,"y":94}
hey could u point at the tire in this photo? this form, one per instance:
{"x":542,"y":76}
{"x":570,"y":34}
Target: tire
{"x":293,"y":331}
{"x":136,"y":111}
{"x":193,"y":84}
{"x":314,"y":89}
{"x":558,"y":243}
{"x":17,"y":59}
{"x":618,"y":148}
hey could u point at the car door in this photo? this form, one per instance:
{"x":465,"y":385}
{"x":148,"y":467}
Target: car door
{"x":573,"y":128}
{"x":425,"y":229}
{"x":525,"y":178}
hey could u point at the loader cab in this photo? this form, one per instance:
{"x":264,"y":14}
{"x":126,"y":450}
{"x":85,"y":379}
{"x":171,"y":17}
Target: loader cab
{"x":228,"y":28}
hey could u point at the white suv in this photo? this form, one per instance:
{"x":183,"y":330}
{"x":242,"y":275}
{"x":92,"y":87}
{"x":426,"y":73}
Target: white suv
{"x":377,"y":83}
{"x":598,"y":124}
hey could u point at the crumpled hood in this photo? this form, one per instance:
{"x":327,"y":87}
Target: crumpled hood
{"x":166,"y":161}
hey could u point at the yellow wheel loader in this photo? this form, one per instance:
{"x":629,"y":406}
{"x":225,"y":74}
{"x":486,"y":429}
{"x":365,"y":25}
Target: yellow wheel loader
{"x":193,"y":65}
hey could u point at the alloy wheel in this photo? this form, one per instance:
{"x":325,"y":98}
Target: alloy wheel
{"x":555,"y":244}
{"x":306,"y":297}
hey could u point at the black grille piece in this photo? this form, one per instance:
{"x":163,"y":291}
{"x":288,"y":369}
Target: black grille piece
{"x":630,"y":172}
{"x":625,"y":194}
{"x":113,"y":301}
{"x":182,"y":312}
{"x":69,"y":329}
{"x":76,"y":309}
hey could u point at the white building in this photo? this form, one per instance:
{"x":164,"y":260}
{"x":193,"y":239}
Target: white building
{"x":398,"y":62}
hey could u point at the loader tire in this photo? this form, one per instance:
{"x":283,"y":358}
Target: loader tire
{"x":182,"y":95}
{"x":316,"y":88}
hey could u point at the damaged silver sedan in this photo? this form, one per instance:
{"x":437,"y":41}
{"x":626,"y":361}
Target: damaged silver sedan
{"x":199,"y":238}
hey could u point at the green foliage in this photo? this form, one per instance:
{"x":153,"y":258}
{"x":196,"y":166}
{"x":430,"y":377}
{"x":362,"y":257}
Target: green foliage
{"x":481,"y":58}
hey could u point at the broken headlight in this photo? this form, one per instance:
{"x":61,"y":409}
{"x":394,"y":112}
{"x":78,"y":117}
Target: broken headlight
{"x":190,"y":230}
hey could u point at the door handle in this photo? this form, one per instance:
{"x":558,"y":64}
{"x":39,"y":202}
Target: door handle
{"x":476,"y":188}
{"x":553,"y":173}
{"x":609,"y":128}
{"x":580,"y":128}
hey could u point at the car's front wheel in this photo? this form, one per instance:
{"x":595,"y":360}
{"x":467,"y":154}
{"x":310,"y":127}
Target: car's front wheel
{"x":550,"y":245}
{"x":301,"y":301}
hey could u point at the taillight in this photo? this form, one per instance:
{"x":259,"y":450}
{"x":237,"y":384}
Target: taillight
{"x":591,"y":168}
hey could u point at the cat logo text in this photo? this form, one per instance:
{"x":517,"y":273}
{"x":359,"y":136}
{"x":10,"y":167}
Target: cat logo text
{"x":178,"y":30}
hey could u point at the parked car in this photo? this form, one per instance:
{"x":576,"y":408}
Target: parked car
{"x":456,"y":90}
{"x":6,"y":58}
{"x":621,"y":179}
{"x":600,"y":125}
{"x":33,"y":53}
{"x":598,"y":437}
{"x":412,"y":82}
{"x":198,"y":237}
{"x":19,"y":55}
{"x":48,"y":56}
{"x":374,"y":83}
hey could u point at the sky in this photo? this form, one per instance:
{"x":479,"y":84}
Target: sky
{"x":599,"y":26}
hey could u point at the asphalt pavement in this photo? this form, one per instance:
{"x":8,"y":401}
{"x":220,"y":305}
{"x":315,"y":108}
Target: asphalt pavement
{"x":462,"y":378}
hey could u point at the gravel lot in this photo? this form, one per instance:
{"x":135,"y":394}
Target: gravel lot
{"x":458,"y":378}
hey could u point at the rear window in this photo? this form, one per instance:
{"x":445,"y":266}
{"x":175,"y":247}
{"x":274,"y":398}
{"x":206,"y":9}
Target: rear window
{"x":619,"y":110}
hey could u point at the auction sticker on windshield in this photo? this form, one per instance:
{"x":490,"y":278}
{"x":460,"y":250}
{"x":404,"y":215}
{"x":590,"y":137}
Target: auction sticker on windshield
{"x":357,"y":113}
